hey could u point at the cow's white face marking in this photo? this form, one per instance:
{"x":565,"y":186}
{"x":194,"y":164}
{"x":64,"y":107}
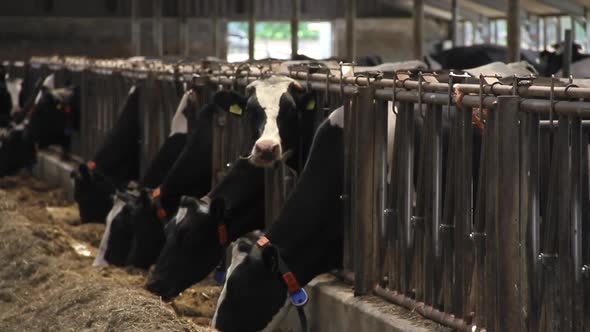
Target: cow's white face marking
{"x":48,"y":83}
{"x":102,"y":249}
{"x":268,"y":93}
{"x":179,"y":122}
{"x":237,"y":258}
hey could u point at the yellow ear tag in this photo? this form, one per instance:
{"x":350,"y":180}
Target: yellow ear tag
{"x":235,"y":109}
{"x":310,"y":105}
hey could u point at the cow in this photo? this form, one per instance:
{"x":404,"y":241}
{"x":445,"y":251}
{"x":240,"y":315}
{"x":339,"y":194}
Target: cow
{"x":306,"y":237}
{"x":6,"y":101}
{"x":123,"y":201}
{"x":50,"y":121}
{"x":115,"y":163}
{"x":196,"y":237}
{"x":272,"y":109}
{"x":553,"y":61}
{"x":465,"y":57}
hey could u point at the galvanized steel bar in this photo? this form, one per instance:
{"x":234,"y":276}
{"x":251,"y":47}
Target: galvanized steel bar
{"x":454,"y":22}
{"x":418,"y":32}
{"x":135,"y":28}
{"x":567,"y":54}
{"x":157,"y":28}
{"x":364,"y":223}
{"x":251,"y":28}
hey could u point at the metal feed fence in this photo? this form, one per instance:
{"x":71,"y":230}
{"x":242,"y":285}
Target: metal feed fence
{"x":483,"y":221}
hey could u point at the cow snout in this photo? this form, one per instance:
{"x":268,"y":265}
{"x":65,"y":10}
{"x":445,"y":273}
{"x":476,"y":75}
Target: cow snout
{"x":266,"y":151}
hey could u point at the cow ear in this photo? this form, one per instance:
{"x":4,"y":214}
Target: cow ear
{"x":231,"y":101}
{"x":296,"y":89}
{"x":217,"y":209}
{"x":270,"y":257}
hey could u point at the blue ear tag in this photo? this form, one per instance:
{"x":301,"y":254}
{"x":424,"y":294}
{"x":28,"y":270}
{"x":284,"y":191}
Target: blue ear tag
{"x":299,"y":298}
{"x":219,"y":276}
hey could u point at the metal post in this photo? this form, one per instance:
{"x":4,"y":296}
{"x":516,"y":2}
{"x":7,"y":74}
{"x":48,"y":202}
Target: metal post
{"x":350,"y":12}
{"x":157,"y":28}
{"x":183,"y":28}
{"x":508,"y":237}
{"x":514,"y":37}
{"x":251,"y":28}
{"x":454,"y":22}
{"x":365,"y":194}
{"x":545,"y":32}
{"x":215,"y":28}
{"x":135,"y":28}
{"x":418,"y":29}
{"x":296,"y":13}
{"x":567,"y":53}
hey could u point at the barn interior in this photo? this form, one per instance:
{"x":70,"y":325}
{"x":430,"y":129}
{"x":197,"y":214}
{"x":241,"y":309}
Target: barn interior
{"x":463,"y":200}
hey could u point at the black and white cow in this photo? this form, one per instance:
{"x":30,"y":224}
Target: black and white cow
{"x":6,"y":101}
{"x":119,"y":215}
{"x":307,"y":235}
{"x":271,"y":109}
{"x":196,"y":237}
{"x":241,"y":192}
{"x":115,"y":163}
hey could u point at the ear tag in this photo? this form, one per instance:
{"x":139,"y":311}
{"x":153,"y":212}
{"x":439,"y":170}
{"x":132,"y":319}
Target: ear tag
{"x":235,"y":109}
{"x":310,"y":105}
{"x":91,"y":165}
{"x":219,"y":276}
{"x":68,"y":109}
{"x":299,"y":298}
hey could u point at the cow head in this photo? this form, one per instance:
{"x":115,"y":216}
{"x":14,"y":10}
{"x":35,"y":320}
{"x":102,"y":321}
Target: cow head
{"x":192,"y":249}
{"x":254,"y":291}
{"x":92,"y":192}
{"x":118,"y":234}
{"x":54,"y":116}
{"x":273,"y":108}
{"x":193,"y":241}
{"x":147,"y":226}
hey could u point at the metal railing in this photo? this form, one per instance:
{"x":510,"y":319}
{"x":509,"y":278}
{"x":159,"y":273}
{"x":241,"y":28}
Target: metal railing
{"x":482,"y":222}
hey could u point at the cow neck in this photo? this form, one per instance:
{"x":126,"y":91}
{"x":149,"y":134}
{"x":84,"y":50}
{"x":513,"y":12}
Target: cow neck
{"x":118,"y":155}
{"x":191,"y":172}
{"x":309,"y":227}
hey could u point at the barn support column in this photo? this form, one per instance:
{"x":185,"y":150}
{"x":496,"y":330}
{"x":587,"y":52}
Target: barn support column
{"x":296,"y":16}
{"x":215,"y":28}
{"x":419,"y":29}
{"x":135,"y":28}
{"x":454,"y":22}
{"x":350,"y":30}
{"x":545,"y":31}
{"x":183,"y":28}
{"x":567,"y":53}
{"x":514,"y":21}
{"x":251,"y":28}
{"x":157,"y":28}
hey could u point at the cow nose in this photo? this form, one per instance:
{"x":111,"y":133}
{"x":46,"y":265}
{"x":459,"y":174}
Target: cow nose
{"x":267,"y":150}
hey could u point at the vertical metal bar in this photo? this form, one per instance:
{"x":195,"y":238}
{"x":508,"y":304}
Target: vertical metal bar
{"x":251,"y":28}
{"x":567,"y":54}
{"x":157,"y":28}
{"x":135,"y":28}
{"x":215,"y":28}
{"x":183,"y":28}
{"x":454,"y":22}
{"x":491,"y":197}
{"x":405,"y":195}
{"x":478,"y":235}
{"x":507,"y":221}
{"x":347,"y":185}
{"x":514,"y":22}
{"x":365,"y":195}
{"x":350,"y":18}
{"x":418,"y":220}
{"x":576,"y":227}
{"x":545,"y":32}
{"x":393,"y":224}
{"x":564,"y":263}
{"x":418,"y":29}
{"x":295,"y":17}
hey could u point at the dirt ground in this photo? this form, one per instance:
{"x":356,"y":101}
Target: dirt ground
{"x":47,"y":282}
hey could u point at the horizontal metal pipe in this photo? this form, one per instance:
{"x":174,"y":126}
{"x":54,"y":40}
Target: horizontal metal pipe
{"x":425,"y":310}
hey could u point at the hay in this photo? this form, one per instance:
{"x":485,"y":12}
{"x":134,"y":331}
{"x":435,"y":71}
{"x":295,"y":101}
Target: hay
{"x":47,"y":283}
